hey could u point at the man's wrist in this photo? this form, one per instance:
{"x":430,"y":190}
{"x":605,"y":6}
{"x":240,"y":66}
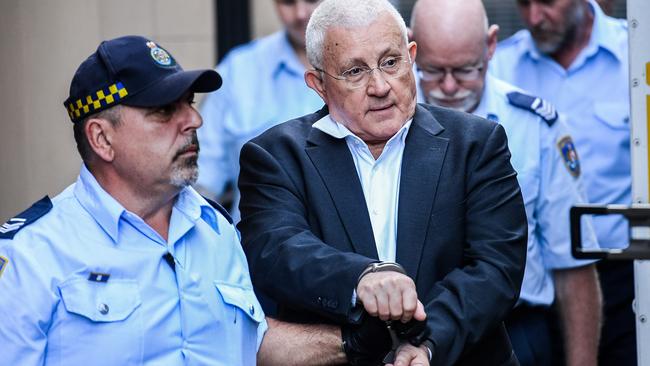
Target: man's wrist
{"x":428,"y":346}
{"x":381,"y":267}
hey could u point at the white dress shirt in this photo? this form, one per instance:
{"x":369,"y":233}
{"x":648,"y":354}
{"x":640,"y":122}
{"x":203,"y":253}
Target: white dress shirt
{"x":379,"y":179}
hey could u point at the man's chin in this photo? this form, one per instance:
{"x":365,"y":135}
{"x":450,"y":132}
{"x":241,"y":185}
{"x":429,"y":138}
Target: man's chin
{"x":186,"y":174}
{"x":546,"y":44}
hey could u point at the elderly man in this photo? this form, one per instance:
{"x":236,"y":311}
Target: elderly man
{"x":130,"y":265}
{"x":575,"y":56}
{"x":375,"y":201}
{"x":263,"y":87}
{"x":452,"y":69}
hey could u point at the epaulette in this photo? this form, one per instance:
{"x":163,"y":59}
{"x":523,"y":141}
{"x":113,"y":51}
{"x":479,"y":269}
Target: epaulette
{"x":36,"y":211}
{"x":219,"y":208}
{"x":539,"y":106}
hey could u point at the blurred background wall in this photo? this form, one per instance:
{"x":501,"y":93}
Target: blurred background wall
{"x":43,"y":42}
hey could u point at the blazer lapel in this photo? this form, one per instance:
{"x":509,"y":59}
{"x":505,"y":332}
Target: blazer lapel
{"x":333,"y":160}
{"x":424,"y":154}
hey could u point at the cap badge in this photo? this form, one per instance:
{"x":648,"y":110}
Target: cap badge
{"x":159,"y":55}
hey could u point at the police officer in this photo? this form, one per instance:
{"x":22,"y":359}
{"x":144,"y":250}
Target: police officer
{"x":452,"y":68}
{"x":130,"y":265}
{"x":264,"y":86}
{"x":576,"y":56}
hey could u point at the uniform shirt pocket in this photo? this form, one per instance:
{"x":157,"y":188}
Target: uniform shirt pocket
{"x":101,"y":302}
{"x":615,"y":115}
{"x":242,"y":328}
{"x":242,"y":299}
{"x":98,"y":321}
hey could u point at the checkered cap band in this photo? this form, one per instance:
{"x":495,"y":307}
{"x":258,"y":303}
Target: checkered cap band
{"x":97,"y":101}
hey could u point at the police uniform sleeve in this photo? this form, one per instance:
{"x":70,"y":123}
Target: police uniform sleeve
{"x":26,"y":304}
{"x":560,"y":188}
{"x":27,"y":301}
{"x":217,"y":160}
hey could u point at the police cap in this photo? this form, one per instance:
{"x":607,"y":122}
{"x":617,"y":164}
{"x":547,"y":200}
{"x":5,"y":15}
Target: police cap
{"x":134,"y":71}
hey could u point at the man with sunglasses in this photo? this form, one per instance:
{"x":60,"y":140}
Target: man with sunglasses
{"x":452,"y":70}
{"x":378,"y":204}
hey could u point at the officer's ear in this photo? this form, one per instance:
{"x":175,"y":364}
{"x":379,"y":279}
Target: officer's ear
{"x":492,"y":39}
{"x":99,"y":132}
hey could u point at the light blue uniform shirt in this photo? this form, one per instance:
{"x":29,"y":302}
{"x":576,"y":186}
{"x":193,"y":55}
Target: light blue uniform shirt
{"x":593,"y":93}
{"x":87,"y":284}
{"x":548,"y":188}
{"x":263,"y":85}
{"x":379,"y":179}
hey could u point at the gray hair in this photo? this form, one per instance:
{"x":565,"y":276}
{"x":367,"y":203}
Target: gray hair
{"x":346,"y":14}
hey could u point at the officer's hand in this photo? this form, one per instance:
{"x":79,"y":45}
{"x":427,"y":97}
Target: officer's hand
{"x":390,"y":295}
{"x":409,"y":355}
{"x":366,"y":343}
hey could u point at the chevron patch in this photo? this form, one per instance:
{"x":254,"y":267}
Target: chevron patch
{"x":13,"y":225}
{"x":539,"y":106}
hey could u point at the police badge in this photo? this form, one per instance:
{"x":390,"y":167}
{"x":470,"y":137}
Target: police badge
{"x":159,"y":55}
{"x":570,"y":155}
{"x":3,"y":264}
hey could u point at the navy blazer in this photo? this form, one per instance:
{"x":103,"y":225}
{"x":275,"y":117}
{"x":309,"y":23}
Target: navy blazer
{"x":461,"y":227}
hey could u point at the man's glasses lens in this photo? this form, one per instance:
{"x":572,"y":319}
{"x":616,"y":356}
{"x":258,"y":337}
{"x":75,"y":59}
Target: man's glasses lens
{"x":390,"y":68}
{"x":470,"y":73}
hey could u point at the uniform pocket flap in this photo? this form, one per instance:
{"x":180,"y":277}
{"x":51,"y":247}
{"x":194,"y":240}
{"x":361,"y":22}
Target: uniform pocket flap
{"x":614,"y":114}
{"x":242,"y":298}
{"x":108,"y":301}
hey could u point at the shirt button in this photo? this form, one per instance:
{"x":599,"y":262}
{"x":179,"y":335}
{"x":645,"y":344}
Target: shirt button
{"x":251,"y":309}
{"x":103,"y":308}
{"x":375,"y":212}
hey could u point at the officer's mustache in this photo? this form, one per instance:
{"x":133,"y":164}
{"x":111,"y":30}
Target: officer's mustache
{"x":191,"y":145}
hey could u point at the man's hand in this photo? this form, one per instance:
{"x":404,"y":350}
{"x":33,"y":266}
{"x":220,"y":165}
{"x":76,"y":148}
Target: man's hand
{"x":409,"y":355}
{"x":390,"y":295}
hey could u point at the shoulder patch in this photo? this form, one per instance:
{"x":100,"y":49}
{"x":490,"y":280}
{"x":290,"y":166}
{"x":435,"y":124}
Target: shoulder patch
{"x":13,"y":225}
{"x":569,"y":155}
{"x":539,"y":106}
{"x":219,"y":208}
{"x":3,"y":264}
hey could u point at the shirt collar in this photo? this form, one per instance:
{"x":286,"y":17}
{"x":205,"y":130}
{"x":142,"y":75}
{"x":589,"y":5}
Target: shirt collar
{"x":98,"y":203}
{"x":601,"y":36}
{"x":195,"y":207}
{"x":107,"y":211}
{"x":285,"y":58}
{"x":337,"y":130}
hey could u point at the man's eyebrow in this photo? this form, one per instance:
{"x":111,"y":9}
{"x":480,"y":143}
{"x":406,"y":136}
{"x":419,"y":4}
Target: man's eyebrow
{"x":360,"y":61}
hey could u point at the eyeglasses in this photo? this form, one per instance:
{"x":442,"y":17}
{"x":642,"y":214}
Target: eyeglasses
{"x":359,"y":76}
{"x":437,"y":74}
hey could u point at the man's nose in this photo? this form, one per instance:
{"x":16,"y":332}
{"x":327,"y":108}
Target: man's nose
{"x":448,"y":84}
{"x":535,"y":14}
{"x":301,"y":10}
{"x":191,"y":118}
{"x":378,"y":85}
